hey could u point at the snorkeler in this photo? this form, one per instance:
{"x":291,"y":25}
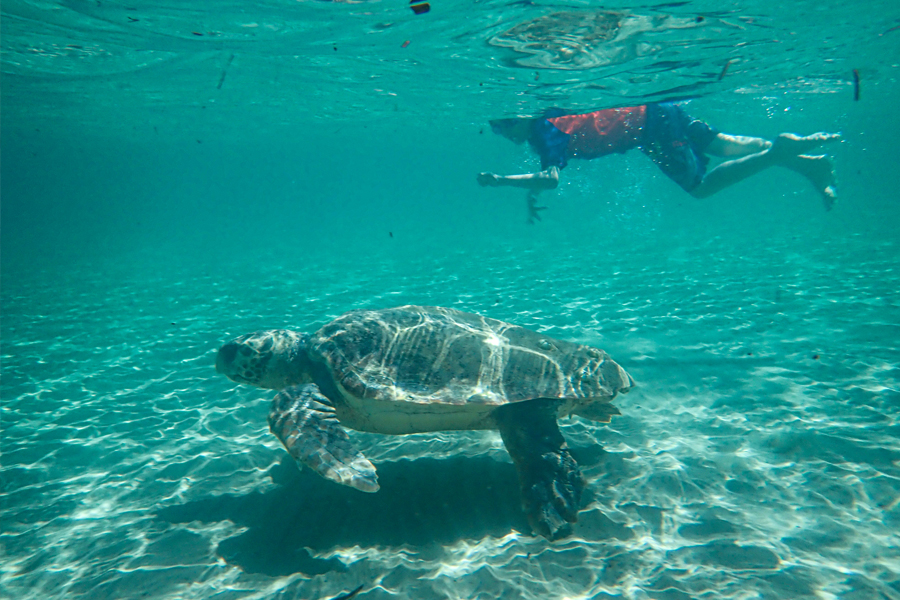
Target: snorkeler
{"x":676,"y":142}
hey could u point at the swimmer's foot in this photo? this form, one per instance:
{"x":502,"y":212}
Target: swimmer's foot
{"x":820,"y":172}
{"x":791,"y":144}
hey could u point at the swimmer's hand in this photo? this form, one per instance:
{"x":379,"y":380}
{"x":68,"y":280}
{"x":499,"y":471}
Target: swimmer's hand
{"x":534,"y":211}
{"x":488,"y":179}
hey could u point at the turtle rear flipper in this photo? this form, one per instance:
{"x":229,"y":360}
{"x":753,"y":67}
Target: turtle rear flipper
{"x":550,"y":480}
{"x":306,"y":423}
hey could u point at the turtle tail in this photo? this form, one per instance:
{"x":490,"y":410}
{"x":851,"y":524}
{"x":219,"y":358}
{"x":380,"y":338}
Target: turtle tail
{"x":549,"y":478}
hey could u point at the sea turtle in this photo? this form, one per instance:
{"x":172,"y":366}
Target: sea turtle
{"x":415,"y":369}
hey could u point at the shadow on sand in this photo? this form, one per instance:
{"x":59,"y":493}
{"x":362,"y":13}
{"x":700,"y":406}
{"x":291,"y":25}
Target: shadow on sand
{"x":424,"y":502}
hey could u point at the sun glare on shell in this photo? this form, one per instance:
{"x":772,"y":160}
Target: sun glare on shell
{"x":492,"y":340}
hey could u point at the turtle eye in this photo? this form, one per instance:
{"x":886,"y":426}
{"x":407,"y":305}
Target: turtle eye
{"x":227,"y":353}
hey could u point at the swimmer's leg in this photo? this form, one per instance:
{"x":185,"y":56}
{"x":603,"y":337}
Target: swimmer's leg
{"x":787,"y":144}
{"x":733,"y":171}
{"x":819,"y":170}
{"x":785,"y":151}
{"x":791,"y":144}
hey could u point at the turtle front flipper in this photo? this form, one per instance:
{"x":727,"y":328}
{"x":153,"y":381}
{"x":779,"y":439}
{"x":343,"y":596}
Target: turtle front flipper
{"x":306,"y":423}
{"x":549,"y":478}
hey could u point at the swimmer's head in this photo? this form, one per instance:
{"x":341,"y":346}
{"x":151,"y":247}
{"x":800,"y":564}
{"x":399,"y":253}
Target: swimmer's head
{"x":515,"y":130}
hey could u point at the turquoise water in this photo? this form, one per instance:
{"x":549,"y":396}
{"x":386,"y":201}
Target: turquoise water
{"x":164,"y":191}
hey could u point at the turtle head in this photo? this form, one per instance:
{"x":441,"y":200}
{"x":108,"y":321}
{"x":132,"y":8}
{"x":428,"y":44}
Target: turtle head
{"x":272,"y":359}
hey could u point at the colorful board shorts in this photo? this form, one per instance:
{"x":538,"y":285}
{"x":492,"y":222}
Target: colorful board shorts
{"x":675,"y":142}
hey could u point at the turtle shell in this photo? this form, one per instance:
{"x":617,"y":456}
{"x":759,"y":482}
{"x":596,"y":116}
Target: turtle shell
{"x":428,"y":355}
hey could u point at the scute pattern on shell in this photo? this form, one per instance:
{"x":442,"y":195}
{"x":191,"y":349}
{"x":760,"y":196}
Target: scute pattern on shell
{"x":441,"y":355}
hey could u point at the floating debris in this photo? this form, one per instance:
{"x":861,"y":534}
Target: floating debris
{"x":224,"y":71}
{"x":725,"y":69}
{"x":419,"y":7}
{"x":348,"y":595}
{"x":855,"y":84}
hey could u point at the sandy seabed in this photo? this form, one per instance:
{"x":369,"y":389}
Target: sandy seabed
{"x":757,"y":458}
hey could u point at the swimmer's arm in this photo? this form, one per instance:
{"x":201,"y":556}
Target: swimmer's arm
{"x":547,"y":179}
